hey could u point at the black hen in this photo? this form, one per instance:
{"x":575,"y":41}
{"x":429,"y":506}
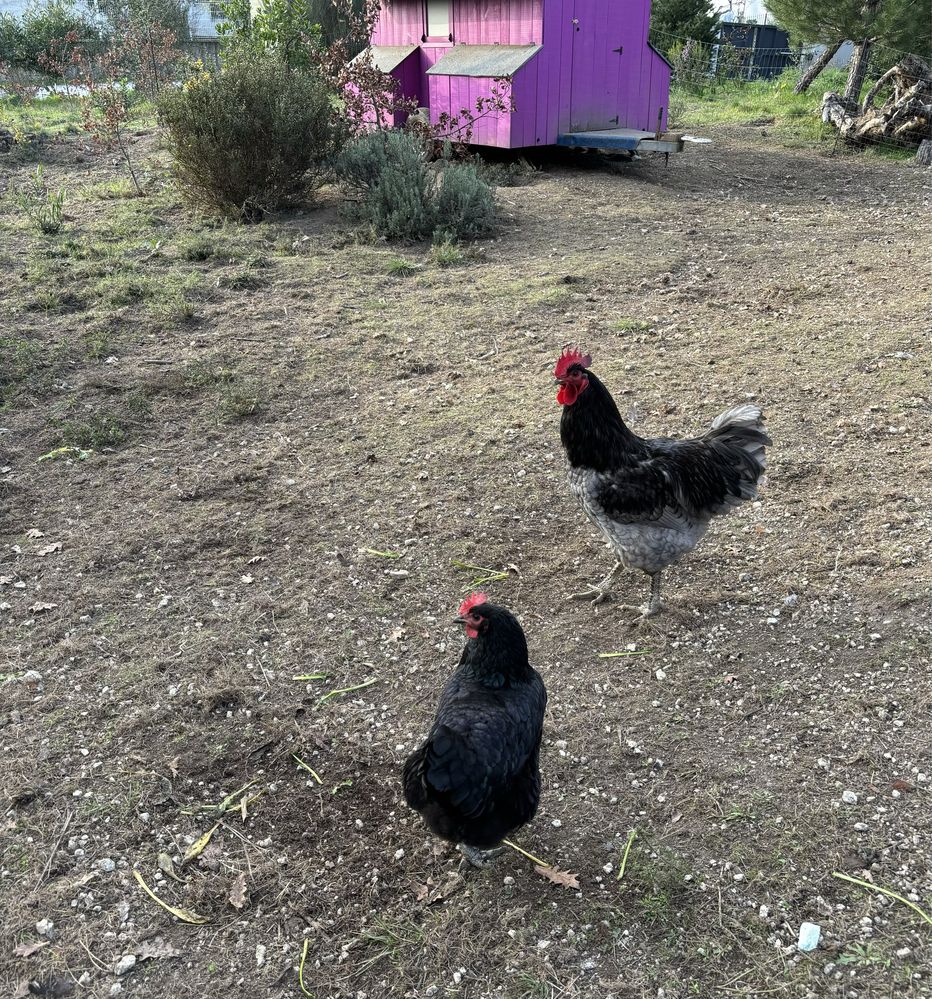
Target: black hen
{"x":651,"y":498}
{"x":477,"y":778}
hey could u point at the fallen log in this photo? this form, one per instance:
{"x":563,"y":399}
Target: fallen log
{"x":905,"y":118}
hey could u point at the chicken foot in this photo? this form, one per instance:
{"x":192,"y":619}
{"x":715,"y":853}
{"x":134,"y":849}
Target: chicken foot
{"x":654,"y":604}
{"x":598,"y":593}
{"x":479,"y":858}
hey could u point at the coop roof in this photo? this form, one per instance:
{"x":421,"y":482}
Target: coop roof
{"x":386,"y":57}
{"x":483,"y":60}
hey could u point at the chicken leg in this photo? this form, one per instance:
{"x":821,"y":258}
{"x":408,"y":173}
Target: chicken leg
{"x":598,"y":593}
{"x":654,"y":604}
{"x":479,"y":858}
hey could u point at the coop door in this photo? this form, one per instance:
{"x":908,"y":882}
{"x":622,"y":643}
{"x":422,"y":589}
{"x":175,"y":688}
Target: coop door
{"x":597,"y":65}
{"x":439,"y":21}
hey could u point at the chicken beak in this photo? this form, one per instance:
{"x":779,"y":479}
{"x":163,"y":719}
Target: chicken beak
{"x":458,"y":620}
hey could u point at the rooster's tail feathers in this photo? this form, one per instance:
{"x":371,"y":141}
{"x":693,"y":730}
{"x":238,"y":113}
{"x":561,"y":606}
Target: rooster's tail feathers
{"x":738,"y":435}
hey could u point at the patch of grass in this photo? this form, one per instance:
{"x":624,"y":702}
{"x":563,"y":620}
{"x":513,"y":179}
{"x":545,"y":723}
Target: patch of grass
{"x":195,"y":377}
{"x":48,"y":116}
{"x":96,"y":432}
{"x":199,"y":247}
{"x":112,"y":190}
{"x":400,"y":267}
{"x":737,"y":103}
{"x":125,"y":288}
{"x":864,"y":956}
{"x":98,"y":343}
{"x":74,"y":249}
{"x":173,"y":308}
{"x":236,"y":400}
{"x":26,"y":366}
{"x":630,"y":325}
{"x":657,"y":879}
{"x":447,"y":254}
{"x":44,"y":207}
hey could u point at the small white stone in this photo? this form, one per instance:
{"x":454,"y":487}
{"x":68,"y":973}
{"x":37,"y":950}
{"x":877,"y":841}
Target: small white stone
{"x":556,"y":823}
{"x":107,"y":865}
{"x":660,"y":674}
{"x":849,"y":797}
{"x":126,"y":963}
{"x":399,"y":854}
{"x":45,"y":928}
{"x":260,"y":955}
{"x":823,"y":763}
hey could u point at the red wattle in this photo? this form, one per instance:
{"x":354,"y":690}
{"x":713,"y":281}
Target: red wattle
{"x":566,"y":395}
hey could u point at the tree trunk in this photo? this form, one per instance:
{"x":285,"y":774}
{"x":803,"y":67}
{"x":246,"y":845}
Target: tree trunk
{"x":813,"y":71}
{"x":924,"y":153}
{"x":857,"y":71}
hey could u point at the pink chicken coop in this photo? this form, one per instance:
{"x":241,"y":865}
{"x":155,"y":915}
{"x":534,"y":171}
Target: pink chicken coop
{"x":582,"y":72}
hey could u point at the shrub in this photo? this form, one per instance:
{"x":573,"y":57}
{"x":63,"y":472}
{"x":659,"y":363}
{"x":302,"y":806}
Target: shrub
{"x":402,"y":196}
{"x":52,"y":21}
{"x":390,"y":174}
{"x":465,"y":204}
{"x":11,"y":39}
{"x":251,"y":138}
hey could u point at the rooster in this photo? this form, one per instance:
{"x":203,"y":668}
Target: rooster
{"x":476,"y":778}
{"x":651,"y":498}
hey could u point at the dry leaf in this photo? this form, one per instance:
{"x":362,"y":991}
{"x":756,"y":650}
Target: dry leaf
{"x":557,"y":877}
{"x":55,"y":546}
{"x":902,"y":785}
{"x":38,"y":608}
{"x":157,"y":949}
{"x":5,"y":580}
{"x":173,"y":765}
{"x":421,"y":892}
{"x":28,"y":949}
{"x":167,"y":867}
{"x":255,"y":559}
{"x":238,"y":891}
{"x":396,"y":635}
{"x":197,"y":847}
{"x":185,"y":915}
{"x":33,"y":533}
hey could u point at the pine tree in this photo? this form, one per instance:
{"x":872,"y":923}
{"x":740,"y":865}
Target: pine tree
{"x":899,"y":24}
{"x":672,"y":20}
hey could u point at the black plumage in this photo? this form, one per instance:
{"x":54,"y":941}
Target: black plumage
{"x":652,"y":498}
{"x":476,"y":778}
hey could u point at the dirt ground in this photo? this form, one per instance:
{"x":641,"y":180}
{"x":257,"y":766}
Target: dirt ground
{"x":283,"y":447}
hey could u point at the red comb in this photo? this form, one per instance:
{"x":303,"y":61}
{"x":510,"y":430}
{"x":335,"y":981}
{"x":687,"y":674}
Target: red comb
{"x":570,"y":357}
{"x":473,"y":600}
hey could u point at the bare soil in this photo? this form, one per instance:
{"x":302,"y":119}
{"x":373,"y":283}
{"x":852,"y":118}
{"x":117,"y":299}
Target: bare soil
{"x":280,"y":451}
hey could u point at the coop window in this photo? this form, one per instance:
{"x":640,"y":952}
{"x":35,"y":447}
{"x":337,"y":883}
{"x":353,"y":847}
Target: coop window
{"x":438,"y":19}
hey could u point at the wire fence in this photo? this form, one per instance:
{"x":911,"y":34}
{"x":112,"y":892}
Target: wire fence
{"x":740,"y":80}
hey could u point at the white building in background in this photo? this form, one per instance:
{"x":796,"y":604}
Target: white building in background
{"x":203,"y":18}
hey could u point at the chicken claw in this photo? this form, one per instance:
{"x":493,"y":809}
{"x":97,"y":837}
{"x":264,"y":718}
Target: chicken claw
{"x":479,"y":858}
{"x":598,"y":593}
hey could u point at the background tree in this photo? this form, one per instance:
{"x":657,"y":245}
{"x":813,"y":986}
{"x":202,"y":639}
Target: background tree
{"x":680,"y":19}
{"x":171,"y":15}
{"x":898,"y":24}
